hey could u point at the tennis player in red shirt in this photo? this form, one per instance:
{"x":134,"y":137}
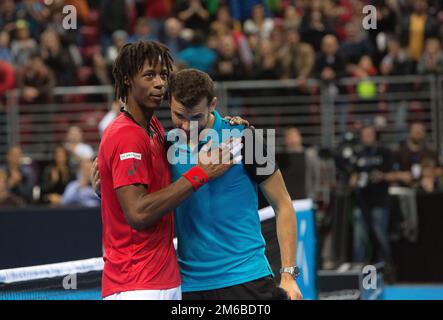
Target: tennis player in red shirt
{"x":136,"y":190}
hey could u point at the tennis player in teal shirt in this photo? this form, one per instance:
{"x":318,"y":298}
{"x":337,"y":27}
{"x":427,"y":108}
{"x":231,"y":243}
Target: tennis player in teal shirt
{"x":221,"y":250}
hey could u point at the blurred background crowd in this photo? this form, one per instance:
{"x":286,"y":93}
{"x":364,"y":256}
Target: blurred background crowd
{"x":232,"y":40}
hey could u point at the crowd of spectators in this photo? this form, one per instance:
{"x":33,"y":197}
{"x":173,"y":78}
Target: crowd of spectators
{"x":230,"y":39}
{"x":64,"y":181}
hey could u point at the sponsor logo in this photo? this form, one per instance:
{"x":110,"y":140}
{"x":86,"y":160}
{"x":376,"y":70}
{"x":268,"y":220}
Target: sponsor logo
{"x":130,"y":155}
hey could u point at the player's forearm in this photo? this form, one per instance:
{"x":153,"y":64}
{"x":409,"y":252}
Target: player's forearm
{"x":153,"y":206}
{"x":287,"y":235}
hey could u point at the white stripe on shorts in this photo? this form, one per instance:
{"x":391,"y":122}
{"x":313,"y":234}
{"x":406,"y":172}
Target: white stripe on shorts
{"x":169,"y":294}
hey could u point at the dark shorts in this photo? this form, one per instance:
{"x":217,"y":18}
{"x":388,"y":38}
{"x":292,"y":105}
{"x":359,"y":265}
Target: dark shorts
{"x":260,"y":289}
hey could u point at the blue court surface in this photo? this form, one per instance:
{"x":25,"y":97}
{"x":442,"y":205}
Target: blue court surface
{"x":413,"y":292}
{"x":397,"y":292}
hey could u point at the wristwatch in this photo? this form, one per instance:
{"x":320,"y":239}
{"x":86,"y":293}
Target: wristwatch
{"x":293,"y":271}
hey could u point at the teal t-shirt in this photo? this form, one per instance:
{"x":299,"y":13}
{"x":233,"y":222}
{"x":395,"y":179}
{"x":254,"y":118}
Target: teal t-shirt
{"x":218,"y":227}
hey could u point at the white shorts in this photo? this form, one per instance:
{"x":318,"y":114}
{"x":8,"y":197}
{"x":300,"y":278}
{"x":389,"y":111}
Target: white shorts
{"x":169,"y":294}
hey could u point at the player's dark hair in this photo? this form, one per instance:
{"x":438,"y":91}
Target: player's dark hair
{"x":131,"y":59}
{"x":190,"y":87}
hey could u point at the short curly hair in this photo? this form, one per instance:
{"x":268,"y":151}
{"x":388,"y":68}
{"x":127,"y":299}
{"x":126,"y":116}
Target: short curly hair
{"x":190,"y":87}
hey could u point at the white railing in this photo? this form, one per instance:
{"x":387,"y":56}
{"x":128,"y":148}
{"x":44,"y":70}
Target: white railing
{"x":322,"y":112}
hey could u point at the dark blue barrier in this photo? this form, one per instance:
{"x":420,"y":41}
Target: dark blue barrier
{"x":34,"y":236}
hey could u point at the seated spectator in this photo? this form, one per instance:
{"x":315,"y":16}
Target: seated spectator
{"x":34,"y":13}
{"x":198,"y":55}
{"x":267,"y":65}
{"x":356,"y":44}
{"x":224,"y":25}
{"x":116,"y":15}
{"x":56,"y":177}
{"x":431,"y":62}
{"x":20,"y":178}
{"x":23,"y":45}
{"x":223,"y":18}
{"x":58,"y":58}
{"x":119,"y":39}
{"x":142,"y":31}
{"x":339,"y":13}
{"x":55,"y":22}
{"x":194,"y":15}
{"x":388,"y":15}
{"x":172,"y":38}
{"x":5,"y":50}
{"x":277,"y":37}
{"x":8,"y":15}
{"x":228,"y":66}
{"x":314,"y":28}
{"x":365,"y":68}
{"x":259,"y":24}
{"x":79,"y":192}
{"x":411,"y":153}
{"x":330,"y":64}
{"x":36,"y":81}
{"x":8,"y":199}
{"x":254,"y":45}
{"x":157,"y":11}
{"x":76,"y":148}
{"x":292,"y":19}
{"x":416,"y":28}
{"x":301,"y":166}
{"x":429,"y":182}
{"x":297,"y":58}
{"x":395,"y":63}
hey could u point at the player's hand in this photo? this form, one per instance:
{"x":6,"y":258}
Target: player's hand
{"x":95,"y":177}
{"x":288,"y":284}
{"x":237,"y":120}
{"x":217,"y":161}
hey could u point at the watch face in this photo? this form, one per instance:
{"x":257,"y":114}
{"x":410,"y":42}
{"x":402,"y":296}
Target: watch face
{"x":297,"y":271}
